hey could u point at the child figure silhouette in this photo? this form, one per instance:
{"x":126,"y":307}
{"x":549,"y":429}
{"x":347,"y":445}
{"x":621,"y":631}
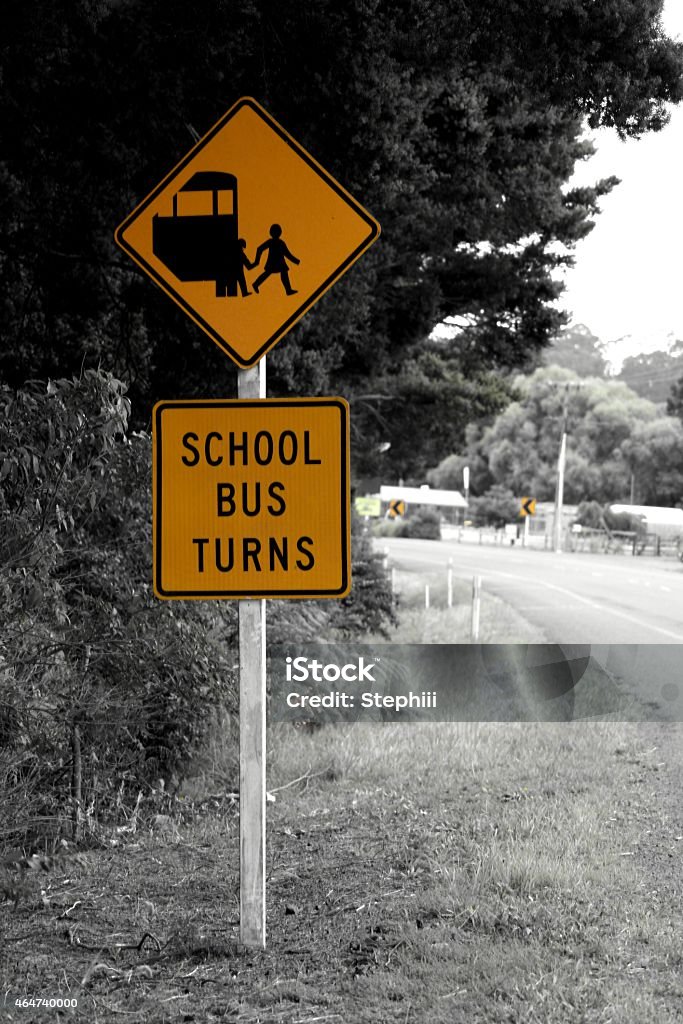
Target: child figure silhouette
{"x":243,"y":262}
{"x":276,"y":260}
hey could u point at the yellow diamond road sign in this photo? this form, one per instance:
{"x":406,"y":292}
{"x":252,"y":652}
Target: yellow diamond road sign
{"x":251,"y":498}
{"x":247,"y":232}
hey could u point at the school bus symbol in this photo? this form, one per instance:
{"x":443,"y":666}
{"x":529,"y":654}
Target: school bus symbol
{"x":199,"y":241}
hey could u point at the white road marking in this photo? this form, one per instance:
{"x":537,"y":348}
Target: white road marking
{"x":592,"y":604}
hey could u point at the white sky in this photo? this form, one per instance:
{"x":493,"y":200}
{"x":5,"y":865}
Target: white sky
{"x":627,"y":280}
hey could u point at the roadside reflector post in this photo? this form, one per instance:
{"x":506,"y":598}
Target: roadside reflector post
{"x":393,"y":580}
{"x":252,"y":660}
{"x":450,"y":582}
{"x":476,"y":606}
{"x":426,"y":595}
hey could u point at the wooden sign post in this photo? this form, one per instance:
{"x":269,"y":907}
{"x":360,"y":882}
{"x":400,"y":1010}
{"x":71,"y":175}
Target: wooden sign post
{"x":252,"y":652}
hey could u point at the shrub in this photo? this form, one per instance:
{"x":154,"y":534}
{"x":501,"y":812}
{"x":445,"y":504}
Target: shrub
{"x":94,"y":671}
{"x":423,"y":523}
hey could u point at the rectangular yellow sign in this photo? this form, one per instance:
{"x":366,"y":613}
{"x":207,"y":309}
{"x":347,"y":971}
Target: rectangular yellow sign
{"x":368,"y":506}
{"x":251,"y":498}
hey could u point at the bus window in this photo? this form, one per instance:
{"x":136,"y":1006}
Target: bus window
{"x":195,"y":204}
{"x":225,"y":202}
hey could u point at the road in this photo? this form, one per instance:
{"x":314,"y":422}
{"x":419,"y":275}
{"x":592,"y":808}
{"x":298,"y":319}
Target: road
{"x":635,"y":603}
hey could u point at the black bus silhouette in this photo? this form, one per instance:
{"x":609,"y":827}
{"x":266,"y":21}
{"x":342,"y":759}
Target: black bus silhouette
{"x":202,"y":243}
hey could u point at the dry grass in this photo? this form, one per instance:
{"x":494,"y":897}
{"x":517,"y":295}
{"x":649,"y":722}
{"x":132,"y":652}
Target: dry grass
{"x":443,"y":873}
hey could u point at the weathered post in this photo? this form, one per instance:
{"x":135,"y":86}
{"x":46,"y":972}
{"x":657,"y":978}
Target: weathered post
{"x":476,"y":605}
{"x":252,"y":661}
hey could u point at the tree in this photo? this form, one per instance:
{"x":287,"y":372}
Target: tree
{"x":495,"y":507}
{"x":430,"y":399}
{"x":576,"y":348}
{"x":649,"y":374}
{"x":457,"y":126}
{"x":674,"y":403}
{"x":615,"y":439}
{"x":654,"y":453}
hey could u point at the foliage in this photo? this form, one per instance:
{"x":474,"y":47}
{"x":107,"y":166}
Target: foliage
{"x":614,"y":439}
{"x":369,"y":607}
{"x":591,"y":515}
{"x":423,"y":409}
{"x":458,"y":126}
{"x":650,"y":374}
{"x":597,"y":517}
{"x":495,"y":507}
{"x":622,"y":521}
{"x":578,"y":350}
{"x":84,"y":646}
{"x":654,"y":454}
{"x":674,"y":403}
{"x":422,"y":523}
{"x":448,"y":475}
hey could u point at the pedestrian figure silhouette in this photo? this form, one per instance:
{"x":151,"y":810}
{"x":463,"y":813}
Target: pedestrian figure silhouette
{"x":278,"y":254}
{"x":232,"y":275}
{"x":243,"y":261}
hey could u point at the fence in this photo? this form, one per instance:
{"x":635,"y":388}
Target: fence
{"x":592,"y":541}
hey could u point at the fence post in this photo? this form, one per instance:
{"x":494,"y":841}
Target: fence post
{"x":450,"y":582}
{"x":476,"y":606}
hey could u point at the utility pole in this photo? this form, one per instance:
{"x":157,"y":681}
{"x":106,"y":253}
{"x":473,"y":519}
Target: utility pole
{"x":559,"y":487}
{"x":466,"y":485}
{"x":559,"y":490}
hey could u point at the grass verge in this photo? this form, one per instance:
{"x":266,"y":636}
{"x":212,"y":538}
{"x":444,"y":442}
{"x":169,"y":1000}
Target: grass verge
{"x":441,"y":873}
{"x":440,"y":624}
{"x":467,"y":873}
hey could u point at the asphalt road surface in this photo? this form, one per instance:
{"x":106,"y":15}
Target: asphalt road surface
{"x":633,"y":604}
